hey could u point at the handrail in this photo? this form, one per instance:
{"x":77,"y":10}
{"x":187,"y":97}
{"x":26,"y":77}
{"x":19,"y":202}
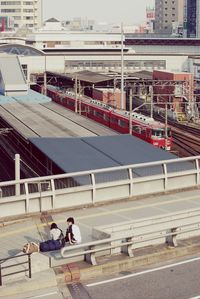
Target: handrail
{"x":15,"y":265}
{"x":135,"y":236}
{"x":103,"y":170}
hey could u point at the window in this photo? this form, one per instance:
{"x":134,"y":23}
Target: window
{"x":122,"y":123}
{"x":10,"y":10}
{"x":10,"y":3}
{"x":114,"y":120}
{"x":25,"y":70}
{"x":98,"y":114}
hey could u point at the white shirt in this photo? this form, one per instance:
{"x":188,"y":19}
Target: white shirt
{"x":76,"y":232}
{"x":55,"y":233}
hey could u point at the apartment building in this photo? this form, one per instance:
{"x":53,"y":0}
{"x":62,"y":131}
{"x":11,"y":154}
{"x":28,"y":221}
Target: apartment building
{"x":26,"y":13}
{"x":168,"y":14}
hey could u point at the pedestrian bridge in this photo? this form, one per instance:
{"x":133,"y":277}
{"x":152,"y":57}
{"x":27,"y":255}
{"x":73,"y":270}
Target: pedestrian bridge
{"x":78,"y":189}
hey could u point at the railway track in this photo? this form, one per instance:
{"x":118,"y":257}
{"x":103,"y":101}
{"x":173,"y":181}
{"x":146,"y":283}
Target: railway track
{"x":185,"y":139}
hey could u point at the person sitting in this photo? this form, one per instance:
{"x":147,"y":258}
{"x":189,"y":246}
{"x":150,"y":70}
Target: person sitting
{"x":55,"y":232}
{"x":73,"y":234}
{"x":56,"y":242}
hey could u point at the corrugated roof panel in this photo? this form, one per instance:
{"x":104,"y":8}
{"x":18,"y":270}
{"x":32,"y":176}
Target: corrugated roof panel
{"x":89,"y":153}
{"x":126,"y":150}
{"x":72,"y":154}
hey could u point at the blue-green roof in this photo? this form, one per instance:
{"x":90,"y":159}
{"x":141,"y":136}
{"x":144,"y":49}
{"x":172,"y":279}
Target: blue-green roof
{"x":31,"y":97}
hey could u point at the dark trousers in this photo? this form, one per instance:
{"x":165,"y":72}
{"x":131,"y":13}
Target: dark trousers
{"x":72,"y":238}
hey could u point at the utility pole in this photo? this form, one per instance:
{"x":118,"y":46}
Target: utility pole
{"x":76,"y":106}
{"x":79,"y":92}
{"x":166,"y":126}
{"x":45,"y":75}
{"x":114,"y":92}
{"x":151,"y":95}
{"x":130,"y":110}
{"x":122,"y":67}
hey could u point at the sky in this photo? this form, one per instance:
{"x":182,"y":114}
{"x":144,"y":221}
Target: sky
{"x":110,"y":11}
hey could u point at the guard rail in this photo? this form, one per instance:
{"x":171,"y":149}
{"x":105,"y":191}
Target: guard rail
{"x":160,"y":229}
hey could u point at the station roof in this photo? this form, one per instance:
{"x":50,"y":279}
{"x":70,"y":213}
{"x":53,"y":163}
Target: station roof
{"x":90,"y":153}
{"x":86,"y":76}
{"x":31,"y":97}
{"x":142,"y":74}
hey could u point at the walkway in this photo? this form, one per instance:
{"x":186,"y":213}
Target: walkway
{"x":14,"y":234}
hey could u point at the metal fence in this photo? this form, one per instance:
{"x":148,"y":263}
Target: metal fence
{"x":89,"y":187}
{"x":16,"y":264}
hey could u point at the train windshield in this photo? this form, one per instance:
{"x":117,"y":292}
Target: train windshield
{"x":160,"y":133}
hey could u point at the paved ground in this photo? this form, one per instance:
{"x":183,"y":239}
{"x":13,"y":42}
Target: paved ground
{"x":14,"y":235}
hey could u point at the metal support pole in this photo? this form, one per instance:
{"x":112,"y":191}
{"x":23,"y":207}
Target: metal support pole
{"x":165,"y":126}
{"x":151,"y":94}
{"x":114,"y":92}
{"x":76,"y":100}
{"x":45,"y":76}
{"x":0,"y":276}
{"x":130,"y":109}
{"x":17,"y":174}
{"x":29,"y":266}
{"x":79,"y":92}
{"x":122,"y":67}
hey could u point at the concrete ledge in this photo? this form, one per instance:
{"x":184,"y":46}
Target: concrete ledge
{"x":143,"y":257}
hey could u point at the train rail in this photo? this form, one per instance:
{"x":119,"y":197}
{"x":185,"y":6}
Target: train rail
{"x":186,"y":139}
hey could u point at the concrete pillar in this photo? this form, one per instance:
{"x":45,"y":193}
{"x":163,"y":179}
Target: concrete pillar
{"x":17,"y":173}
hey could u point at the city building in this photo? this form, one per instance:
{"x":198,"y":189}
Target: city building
{"x":168,"y":14}
{"x":6,"y":24}
{"x":26,"y":14}
{"x":192,"y":18}
{"x":150,"y":19}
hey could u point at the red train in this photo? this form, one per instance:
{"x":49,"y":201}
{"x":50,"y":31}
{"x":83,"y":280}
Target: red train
{"x":143,"y":127}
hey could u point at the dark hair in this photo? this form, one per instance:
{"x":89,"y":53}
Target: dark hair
{"x":70,"y":219}
{"x":54,"y":225}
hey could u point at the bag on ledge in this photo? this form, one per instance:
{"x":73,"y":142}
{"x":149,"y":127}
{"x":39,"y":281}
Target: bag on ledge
{"x":31,"y":247}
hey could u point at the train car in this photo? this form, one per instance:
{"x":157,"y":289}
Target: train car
{"x":143,"y":127}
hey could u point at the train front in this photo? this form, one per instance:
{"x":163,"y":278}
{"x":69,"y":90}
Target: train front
{"x":161,"y":137}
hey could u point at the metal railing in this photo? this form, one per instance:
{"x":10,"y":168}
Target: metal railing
{"x":141,"y":233}
{"x":14,"y":265}
{"x":62,"y":191}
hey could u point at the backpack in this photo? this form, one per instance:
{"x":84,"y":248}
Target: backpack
{"x":61,"y":238}
{"x":31,"y":247}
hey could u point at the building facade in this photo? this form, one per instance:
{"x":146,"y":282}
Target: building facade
{"x":168,"y":15}
{"x":26,"y":13}
{"x":192,"y":18}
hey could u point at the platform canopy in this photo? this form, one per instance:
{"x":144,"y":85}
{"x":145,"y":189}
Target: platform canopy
{"x":90,"y":153}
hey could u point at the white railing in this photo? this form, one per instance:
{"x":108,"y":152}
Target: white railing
{"x":89,"y":187}
{"x":149,"y":231}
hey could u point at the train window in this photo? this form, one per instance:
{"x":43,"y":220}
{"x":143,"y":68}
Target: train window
{"x":158,"y":133}
{"x":122,"y":123}
{"x":105,"y":117}
{"x":99,"y":114}
{"x":71,"y":103}
{"x":169,"y":132}
{"x":114,"y":120}
{"x":136,"y":129}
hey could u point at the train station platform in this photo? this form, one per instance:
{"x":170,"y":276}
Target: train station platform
{"x":15,"y":233}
